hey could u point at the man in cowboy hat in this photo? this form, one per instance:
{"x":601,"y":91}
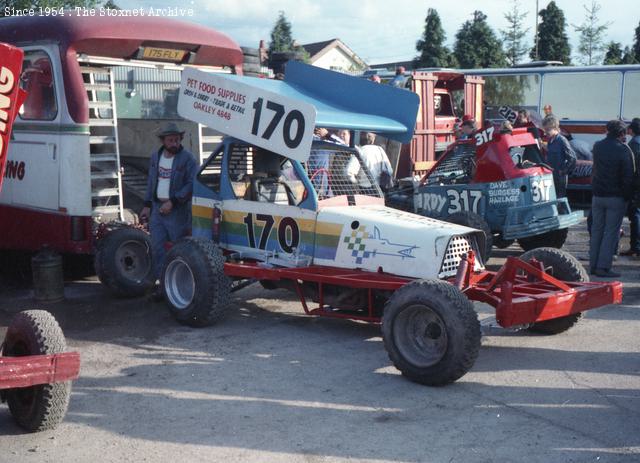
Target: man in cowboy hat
{"x":167,"y":202}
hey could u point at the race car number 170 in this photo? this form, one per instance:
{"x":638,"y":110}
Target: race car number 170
{"x":278,"y":112}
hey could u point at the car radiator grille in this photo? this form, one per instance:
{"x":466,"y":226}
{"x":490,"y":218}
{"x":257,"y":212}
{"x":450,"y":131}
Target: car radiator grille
{"x":458,"y":246}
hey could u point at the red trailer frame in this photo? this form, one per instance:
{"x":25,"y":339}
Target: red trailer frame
{"x":521,"y":292}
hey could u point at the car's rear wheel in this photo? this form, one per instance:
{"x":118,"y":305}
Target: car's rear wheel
{"x":563,"y":266}
{"x":550,"y":239}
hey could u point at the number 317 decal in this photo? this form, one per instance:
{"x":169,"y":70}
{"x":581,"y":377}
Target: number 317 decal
{"x":484,"y":137}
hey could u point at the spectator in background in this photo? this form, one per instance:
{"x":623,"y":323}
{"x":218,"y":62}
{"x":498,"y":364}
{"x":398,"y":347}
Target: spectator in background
{"x":506,"y":128}
{"x":467,"y":128}
{"x":581,"y":148}
{"x":560,"y":155}
{"x":375,"y":78}
{"x":522,"y":120}
{"x":377,"y":162}
{"x":612,"y":187}
{"x":633,"y":211}
{"x":548,"y":110}
{"x":399,"y":80}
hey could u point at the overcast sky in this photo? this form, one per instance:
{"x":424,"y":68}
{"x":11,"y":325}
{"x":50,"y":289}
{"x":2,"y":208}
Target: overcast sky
{"x":385,"y":30}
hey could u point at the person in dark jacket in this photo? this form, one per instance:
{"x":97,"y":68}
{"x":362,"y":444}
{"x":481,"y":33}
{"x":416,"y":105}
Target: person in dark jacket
{"x":560,"y":155}
{"x":612,"y":186}
{"x":167,"y":202}
{"x":633,"y":211}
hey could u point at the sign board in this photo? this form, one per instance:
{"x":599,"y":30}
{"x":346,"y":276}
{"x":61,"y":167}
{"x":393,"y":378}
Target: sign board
{"x":10,"y":96}
{"x":259,"y":117}
{"x":508,"y":113}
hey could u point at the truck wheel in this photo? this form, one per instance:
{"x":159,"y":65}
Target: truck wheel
{"x":41,"y":407}
{"x":194,"y":283}
{"x":550,"y":239}
{"x":431,"y":332}
{"x":500,"y":243}
{"x":563,"y":266}
{"x":123,"y":262}
{"x":473,"y":220}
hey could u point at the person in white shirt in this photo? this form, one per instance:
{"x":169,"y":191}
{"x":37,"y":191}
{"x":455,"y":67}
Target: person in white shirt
{"x":377,"y":162}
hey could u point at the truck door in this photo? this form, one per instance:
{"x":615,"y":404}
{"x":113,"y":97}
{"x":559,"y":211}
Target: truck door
{"x":32,"y":173}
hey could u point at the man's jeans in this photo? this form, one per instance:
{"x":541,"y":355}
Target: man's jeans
{"x":607,"y":214}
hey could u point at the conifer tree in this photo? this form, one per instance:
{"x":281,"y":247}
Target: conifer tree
{"x":477,"y":45}
{"x":553,"y":43}
{"x":513,"y":36}
{"x":433,"y":52}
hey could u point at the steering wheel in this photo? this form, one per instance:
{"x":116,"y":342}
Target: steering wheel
{"x":318,"y":171}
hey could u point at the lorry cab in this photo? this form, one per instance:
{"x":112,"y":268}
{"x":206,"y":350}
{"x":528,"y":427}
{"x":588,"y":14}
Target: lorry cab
{"x":98,"y":89}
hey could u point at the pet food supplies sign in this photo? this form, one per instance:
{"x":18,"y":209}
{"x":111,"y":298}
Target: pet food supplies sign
{"x":260,"y":117}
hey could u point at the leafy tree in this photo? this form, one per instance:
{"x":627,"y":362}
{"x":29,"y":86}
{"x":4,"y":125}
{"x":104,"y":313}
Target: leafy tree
{"x":35,"y":4}
{"x":592,"y":33}
{"x":112,"y":5}
{"x":553,"y":43}
{"x":635,"y":49}
{"x":281,"y":39}
{"x":477,"y":45}
{"x":629,"y":57}
{"x":614,"y":53}
{"x":431,"y":47}
{"x":513,"y":36}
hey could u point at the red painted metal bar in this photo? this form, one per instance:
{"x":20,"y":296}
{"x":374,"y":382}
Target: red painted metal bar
{"x":31,"y":370}
{"x":521,"y":292}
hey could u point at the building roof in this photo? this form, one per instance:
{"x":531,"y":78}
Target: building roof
{"x":317,"y":49}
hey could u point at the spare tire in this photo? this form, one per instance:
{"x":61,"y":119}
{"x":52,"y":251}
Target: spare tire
{"x":251,"y":59}
{"x":40,"y":407}
{"x":473,"y":220}
{"x":123,"y":262}
{"x":250,"y":51}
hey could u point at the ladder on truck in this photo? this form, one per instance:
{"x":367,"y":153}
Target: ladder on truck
{"x":209,"y":140}
{"x":106,"y":175}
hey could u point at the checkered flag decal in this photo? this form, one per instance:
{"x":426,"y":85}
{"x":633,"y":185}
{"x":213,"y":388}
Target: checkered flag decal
{"x":356,"y":244}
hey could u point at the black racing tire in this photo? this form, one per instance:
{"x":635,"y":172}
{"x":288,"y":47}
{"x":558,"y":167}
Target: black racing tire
{"x":248,"y":59}
{"x":194,"y":284}
{"x":268,"y":284}
{"x":250,"y":67}
{"x":500,"y":243}
{"x":550,"y":239}
{"x":473,"y":220}
{"x":250,"y":51}
{"x":123,"y":262}
{"x":431,"y":332}
{"x":563,"y":266}
{"x":41,"y":407}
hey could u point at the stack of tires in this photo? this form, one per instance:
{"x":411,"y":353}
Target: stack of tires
{"x":251,"y":63}
{"x":278,"y":60}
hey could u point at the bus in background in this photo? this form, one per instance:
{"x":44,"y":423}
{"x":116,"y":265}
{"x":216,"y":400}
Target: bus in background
{"x":98,"y":90}
{"x":583,"y":98}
